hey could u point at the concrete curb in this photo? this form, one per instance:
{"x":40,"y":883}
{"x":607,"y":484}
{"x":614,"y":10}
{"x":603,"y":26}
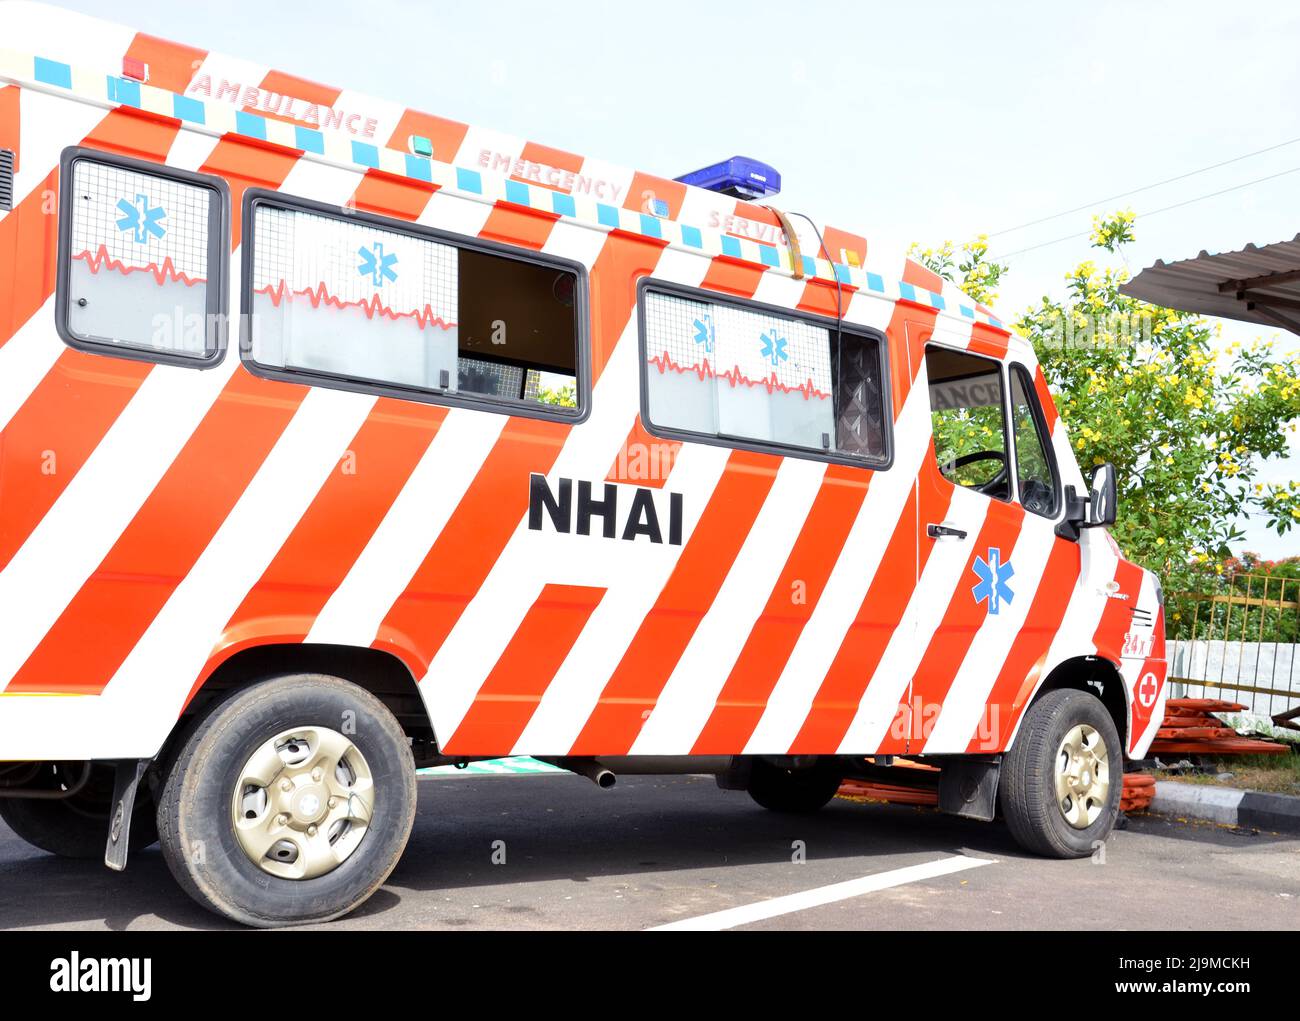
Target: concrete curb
{"x":1227,"y":806}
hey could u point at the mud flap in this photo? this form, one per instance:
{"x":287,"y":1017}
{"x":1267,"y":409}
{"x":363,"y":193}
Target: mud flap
{"x":969,"y":788}
{"x":129,"y":774}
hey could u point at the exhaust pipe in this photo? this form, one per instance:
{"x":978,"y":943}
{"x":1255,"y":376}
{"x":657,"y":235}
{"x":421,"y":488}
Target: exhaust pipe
{"x":590,"y":768}
{"x":601,"y":771}
{"x":666,"y":765}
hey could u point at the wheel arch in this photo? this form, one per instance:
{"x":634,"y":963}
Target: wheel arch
{"x":384,"y":674}
{"x":1097,"y":675}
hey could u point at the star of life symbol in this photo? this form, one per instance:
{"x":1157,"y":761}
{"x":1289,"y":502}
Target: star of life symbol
{"x":993,"y":576}
{"x":376,"y":265}
{"x":1147,"y":690}
{"x":774,"y":346}
{"x":704,"y":335}
{"x":145,"y":220}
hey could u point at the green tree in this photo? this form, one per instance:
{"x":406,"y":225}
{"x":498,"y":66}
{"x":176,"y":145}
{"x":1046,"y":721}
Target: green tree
{"x":1186,"y":421}
{"x":970,"y":266}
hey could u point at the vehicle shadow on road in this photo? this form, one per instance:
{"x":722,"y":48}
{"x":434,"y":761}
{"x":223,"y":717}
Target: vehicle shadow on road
{"x":564,"y":828}
{"x":42,"y":890}
{"x":546,"y":827}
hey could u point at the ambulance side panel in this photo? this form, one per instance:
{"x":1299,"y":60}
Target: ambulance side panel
{"x":160,"y":521}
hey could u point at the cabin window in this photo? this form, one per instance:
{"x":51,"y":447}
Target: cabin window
{"x":968,"y":421}
{"x":749,"y":376}
{"x":346,"y":300}
{"x":142,"y":260}
{"x":1035,"y":469}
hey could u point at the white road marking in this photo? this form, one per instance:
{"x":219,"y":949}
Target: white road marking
{"x":748,"y":913}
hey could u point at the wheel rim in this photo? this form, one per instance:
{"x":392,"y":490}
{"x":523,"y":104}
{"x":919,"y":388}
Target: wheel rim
{"x":303,"y":802}
{"x":1082,"y":776}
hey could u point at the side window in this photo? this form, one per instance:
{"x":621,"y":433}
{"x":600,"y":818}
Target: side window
{"x":340,"y":299}
{"x":142,"y":254}
{"x":719,"y":370}
{"x":970,"y":439}
{"x":1035,"y":469}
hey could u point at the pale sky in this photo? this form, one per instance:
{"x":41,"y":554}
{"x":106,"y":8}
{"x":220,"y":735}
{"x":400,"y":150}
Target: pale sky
{"x":909,"y":121}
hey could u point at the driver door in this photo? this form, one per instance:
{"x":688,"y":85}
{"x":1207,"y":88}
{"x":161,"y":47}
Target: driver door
{"x":983,"y":553}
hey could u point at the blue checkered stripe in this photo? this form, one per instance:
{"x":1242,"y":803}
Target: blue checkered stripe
{"x":334,"y":147}
{"x":520,"y":765}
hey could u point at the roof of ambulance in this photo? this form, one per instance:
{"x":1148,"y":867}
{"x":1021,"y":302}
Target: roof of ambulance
{"x":84,"y":41}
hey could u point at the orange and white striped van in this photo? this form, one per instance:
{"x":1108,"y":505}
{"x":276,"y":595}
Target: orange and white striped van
{"x":339,"y":439}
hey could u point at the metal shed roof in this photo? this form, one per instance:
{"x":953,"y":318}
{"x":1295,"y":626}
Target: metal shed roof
{"x":1255,"y":285}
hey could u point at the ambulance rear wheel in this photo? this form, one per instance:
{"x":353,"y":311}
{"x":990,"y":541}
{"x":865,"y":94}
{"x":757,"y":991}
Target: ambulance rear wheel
{"x":792,"y":790}
{"x":1061,"y":782}
{"x":291,"y":801}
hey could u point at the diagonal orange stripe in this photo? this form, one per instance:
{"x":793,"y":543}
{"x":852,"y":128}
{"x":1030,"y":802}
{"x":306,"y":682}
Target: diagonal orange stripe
{"x":337,"y":525}
{"x":794,"y":597}
{"x":512,"y":691}
{"x":962,"y":618}
{"x":634,"y":688}
{"x":841,"y":690}
{"x":1051,"y":600}
{"x":468,"y":547}
{"x":171,"y":65}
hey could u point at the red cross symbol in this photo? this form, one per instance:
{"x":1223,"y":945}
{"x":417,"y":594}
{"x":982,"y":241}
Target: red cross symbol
{"x":1148,"y":688}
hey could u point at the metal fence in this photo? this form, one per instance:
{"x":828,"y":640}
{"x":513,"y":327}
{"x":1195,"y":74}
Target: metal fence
{"x":1239,"y":642}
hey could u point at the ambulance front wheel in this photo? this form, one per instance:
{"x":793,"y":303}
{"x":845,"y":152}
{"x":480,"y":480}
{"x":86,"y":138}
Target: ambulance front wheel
{"x":291,"y":801}
{"x":792,"y":790}
{"x":1061,"y":782}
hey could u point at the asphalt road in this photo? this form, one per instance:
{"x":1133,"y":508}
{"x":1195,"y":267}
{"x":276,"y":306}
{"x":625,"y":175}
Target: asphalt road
{"x":663,"y":850}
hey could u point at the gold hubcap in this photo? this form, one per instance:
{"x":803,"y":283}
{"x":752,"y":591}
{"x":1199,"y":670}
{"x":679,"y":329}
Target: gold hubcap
{"x":1082,"y":776}
{"x":303,"y":802}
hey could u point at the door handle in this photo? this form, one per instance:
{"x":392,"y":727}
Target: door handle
{"x":944,"y":532}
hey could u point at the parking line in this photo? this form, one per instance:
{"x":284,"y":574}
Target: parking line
{"x":747,"y":913}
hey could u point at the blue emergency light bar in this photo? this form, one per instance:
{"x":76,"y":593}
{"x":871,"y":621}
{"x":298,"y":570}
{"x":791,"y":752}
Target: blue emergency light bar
{"x":740,"y":177}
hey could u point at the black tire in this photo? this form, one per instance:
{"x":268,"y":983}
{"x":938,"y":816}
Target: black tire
{"x":797,"y":791}
{"x":1027,"y":786}
{"x":194,"y":805}
{"x":77,"y":827}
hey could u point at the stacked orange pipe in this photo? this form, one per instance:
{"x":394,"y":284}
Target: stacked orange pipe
{"x":1189,"y":729}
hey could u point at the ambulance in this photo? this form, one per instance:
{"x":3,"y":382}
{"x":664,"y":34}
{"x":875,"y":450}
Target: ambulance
{"x":339,"y":439}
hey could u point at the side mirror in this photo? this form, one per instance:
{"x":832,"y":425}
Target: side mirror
{"x":1101,"y":497}
{"x":1098,"y":509}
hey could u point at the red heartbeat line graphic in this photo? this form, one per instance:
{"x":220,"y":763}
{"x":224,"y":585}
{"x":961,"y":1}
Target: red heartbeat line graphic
{"x":736,"y":378}
{"x":167,"y":271}
{"x":320,"y":295}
